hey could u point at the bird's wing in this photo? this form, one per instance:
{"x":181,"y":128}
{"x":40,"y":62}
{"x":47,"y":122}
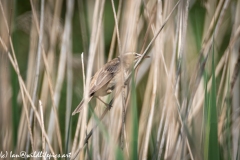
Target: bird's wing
{"x":105,"y":75}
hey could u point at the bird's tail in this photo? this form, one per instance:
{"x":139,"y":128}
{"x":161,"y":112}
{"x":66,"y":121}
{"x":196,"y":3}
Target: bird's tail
{"x":80,"y":106}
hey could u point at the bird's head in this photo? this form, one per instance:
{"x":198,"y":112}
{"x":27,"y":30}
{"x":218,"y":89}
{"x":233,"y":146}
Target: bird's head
{"x":130,"y":58}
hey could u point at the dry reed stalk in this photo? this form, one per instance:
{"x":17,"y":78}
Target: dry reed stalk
{"x":24,"y":136}
{"x":123,"y":94}
{"x":158,"y":51}
{"x":225,"y":57}
{"x":180,"y":117}
{"x":234,"y":88}
{"x":182,"y":31}
{"x":164,"y":23}
{"x":36,"y":77}
{"x":235,"y":106}
{"x":164,"y":126}
{"x":49,"y":67}
{"x":205,"y":48}
{"x":48,"y":78}
{"x":14,"y":63}
{"x":219,"y":66}
{"x":6,"y":120}
{"x":180,"y":48}
{"x":76,"y":135}
{"x":97,"y":22}
{"x":227,"y":94}
{"x":210,"y":27}
{"x":61,"y":66}
{"x":114,"y":36}
{"x":69,"y":91}
{"x":150,"y":17}
{"x":142,"y":70}
{"x":42,"y":119}
{"x":83,"y":26}
{"x":99,"y":62}
{"x":144,"y":113}
{"x":49,"y":59}
{"x":28,"y":119}
{"x":23,"y":87}
{"x":235,"y":72}
{"x":215,"y":23}
{"x":165,"y":65}
{"x":218,"y":22}
{"x":173,"y":124}
{"x":39,"y":50}
{"x":127,"y":29}
{"x":80,"y":116}
{"x":146,"y":100}
{"x":46,"y":63}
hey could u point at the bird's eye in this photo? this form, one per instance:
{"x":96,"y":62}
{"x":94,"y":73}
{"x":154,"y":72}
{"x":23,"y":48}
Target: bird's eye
{"x":137,"y":56}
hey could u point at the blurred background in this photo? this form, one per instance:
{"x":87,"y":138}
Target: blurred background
{"x":183,"y":103}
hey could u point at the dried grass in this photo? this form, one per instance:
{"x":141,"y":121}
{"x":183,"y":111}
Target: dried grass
{"x":38,"y":93}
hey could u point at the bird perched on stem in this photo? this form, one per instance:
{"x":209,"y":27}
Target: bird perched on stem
{"x":106,"y":78}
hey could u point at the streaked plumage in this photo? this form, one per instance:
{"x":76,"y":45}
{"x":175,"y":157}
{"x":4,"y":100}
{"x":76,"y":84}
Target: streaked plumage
{"x":105,"y":79}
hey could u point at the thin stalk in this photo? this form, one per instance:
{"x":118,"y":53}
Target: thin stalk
{"x":110,"y":55}
{"x":62,"y":65}
{"x":122,"y":76}
{"x":155,"y":81}
{"x":37,"y":71}
{"x":97,"y":23}
{"x":42,"y":118}
{"x":23,"y":87}
{"x":79,"y":117}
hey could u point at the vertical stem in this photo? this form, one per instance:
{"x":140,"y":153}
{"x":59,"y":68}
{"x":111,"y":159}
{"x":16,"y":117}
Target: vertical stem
{"x":38,"y":62}
{"x":122,"y":76}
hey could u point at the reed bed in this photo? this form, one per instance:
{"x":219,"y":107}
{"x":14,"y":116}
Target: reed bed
{"x":181,"y":103}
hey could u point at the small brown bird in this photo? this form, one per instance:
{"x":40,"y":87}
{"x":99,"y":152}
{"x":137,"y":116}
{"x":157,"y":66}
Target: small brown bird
{"x":105,"y":79}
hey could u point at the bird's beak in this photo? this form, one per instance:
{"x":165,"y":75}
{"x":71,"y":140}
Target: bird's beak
{"x":146,"y":57}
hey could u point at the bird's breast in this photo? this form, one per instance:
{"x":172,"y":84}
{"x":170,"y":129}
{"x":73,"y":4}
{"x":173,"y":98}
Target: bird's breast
{"x":102,"y":91}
